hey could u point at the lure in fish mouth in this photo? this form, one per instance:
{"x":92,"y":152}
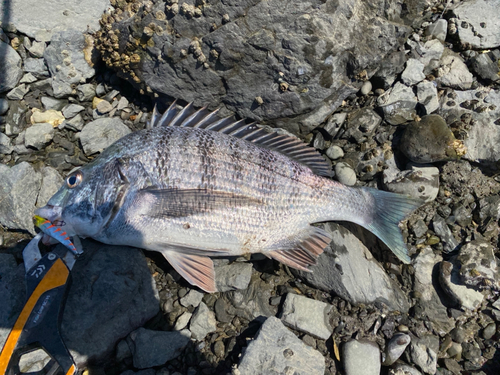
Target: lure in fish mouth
{"x":194,"y":186}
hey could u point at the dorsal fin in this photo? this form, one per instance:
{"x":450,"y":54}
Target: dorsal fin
{"x":202,"y":118}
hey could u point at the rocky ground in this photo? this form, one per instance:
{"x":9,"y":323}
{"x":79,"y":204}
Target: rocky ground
{"x":405,"y":98}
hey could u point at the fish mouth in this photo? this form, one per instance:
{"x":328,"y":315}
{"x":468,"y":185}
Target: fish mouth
{"x":51,"y":213}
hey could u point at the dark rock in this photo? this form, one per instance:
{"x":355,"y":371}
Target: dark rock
{"x":361,"y":125}
{"x":430,"y":140}
{"x":441,"y":229}
{"x":486,"y":65}
{"x":277,"y":53}
{"x":114,"y":283}
{"x":11,"y":71}
{"x":202,"y":322}
{"x":277,"y":350}
{"x":154,"y":348}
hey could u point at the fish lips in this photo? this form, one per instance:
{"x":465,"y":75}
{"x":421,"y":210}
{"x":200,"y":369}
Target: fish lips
{"x":51,"y":213}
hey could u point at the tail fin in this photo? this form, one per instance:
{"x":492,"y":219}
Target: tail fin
{"x":388,"y":210}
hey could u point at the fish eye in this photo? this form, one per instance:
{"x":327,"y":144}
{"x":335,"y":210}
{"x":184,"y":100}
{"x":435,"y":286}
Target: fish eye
{"x":74,"y":179}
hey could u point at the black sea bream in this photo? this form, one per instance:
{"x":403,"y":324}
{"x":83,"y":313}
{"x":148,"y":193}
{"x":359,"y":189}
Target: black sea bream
{"x":194,"y":186}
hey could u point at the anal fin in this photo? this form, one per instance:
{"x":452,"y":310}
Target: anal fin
{"x":302,"y":250}
{"x":196,"y":269}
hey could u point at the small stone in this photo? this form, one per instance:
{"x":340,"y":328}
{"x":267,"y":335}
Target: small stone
{"x":39,"y":135}
{"x":50,"y":116}
{"x":478,"y":265}
{"x":366,"y":88}
{"x":219,"y":349}
{"x":361,"y":358}
{"x":486,"y":65}
{"x":424,"y":357}
{"x":345,"y":174}
{"x":193,"y":298}
{"x":76,"y":123}
{"x":103,"y":107}
{"x":182,"y":321}
{"x":396,"y":347}
{"x":233,"y":276}
{"x":334,"y":152}
{"x":122,"y":103}
{"x":276,"y":350}
{"x":101,"y":133}
{"x":86,"y":92}
{"x":489,"y":331}
{"x":438,"y":30}
{"x":52,"y":103}
{"x":4,"y":106}
{"x":28,"y":78}
{"x":37,"y":49}
{"x":307,"y":315}
{"x":430,"y":140}
{"x":455,"y":350}
{"x":154,"y":348}
{"x":413,"y":73}
{"x":18,"y":92}
{"x":203,"y":322}
{"x":36,"y":67}
{"x":453,"y":366}
{"x":11,"y":71}
{"x":454,"y":73}
{"x":6,"y":147}
{"x":419,"y":182}
{"x":334,"y":123}
{"x":445,"y":234}
{"x":71,"y":110}
{"x":449,"y":279}
{"x":427,"y":96}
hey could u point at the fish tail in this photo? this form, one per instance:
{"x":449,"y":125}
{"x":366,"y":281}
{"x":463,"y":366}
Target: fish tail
{"x":388,"y":209}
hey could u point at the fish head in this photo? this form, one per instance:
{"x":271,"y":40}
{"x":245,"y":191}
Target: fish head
{"x":85,"y":202}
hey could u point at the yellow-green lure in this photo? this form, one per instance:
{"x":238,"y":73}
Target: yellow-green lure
{"x":54,"y":231}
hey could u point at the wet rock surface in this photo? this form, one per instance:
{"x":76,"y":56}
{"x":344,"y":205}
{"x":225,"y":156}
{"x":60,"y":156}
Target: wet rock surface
{"x":130,"y":314}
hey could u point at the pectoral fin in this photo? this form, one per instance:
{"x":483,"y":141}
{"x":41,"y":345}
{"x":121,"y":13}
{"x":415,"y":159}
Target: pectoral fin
{"x":196,"y":269}
{"x":302,"y":250}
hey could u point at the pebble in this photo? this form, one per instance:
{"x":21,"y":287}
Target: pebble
{"x":486,"y":66}
{"x":18,"y":92}
{"x":307,"y":315}
{"x":438,"y":29}
{"x":37,"y":48}
{"x":395,"y":347}
{"x":50,"y":116}
{"x":427,"y":96}
{"x":52,"y":103}
{"x":101,"y":133}
{"x":182,"y":321}
{"x":454,"y":73}
{"x":446,"y":236}
{"x":334,"y":152}
{"x":154,"y":348}
{"x":345,"y":174}
{"x":5,"y":144}
{"x":478,"y":265}
{"x":366,"y":88}
{"x":39,"y":135}
{"x":11,"y":71}
{"x":71,"y":110}
{"x":192,"y":298}
{"x":424,"y":357}
{"x":36,"y":67}
{"x":233,"y":276}
{"x":489,"y":331}
{"x":413,"y":73}
{"x":277,"y":350}
{"x":361,"y":358}
{"x":219,"y":349}
{"x":403,"y":369}
{"x":28,"y":78}
{"x":85,"y":92}
{"x":449,"y":279}
{"x":104,"y":107}
{"x":203,"y":322}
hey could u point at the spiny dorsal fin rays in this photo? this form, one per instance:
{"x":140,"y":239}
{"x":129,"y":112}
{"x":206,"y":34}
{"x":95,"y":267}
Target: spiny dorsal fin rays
{"x":204,"y":119}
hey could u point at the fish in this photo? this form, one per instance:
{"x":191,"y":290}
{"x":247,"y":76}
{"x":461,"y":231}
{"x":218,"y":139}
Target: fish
{"x":194,"y":186}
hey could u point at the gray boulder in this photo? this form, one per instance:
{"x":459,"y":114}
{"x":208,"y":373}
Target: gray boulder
{"x":19,"y":186}
{"x":276,"y":350}
{"x":41,"y":19}
{"x":260,"y":59}
{"x":11,"y":71}
{"x":112,"y":294}
{"x":349,"y":270}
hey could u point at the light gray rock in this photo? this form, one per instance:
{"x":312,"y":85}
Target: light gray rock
{"x":361,"y":358}
{"x":28,"y":78}
{"x":4,"y":106}
{"x":335,"y":122}
{"x":11,"y":71}
{"x":154,"y":348}
{"x":52,"y":103}
{"x":100,"y":133}
{"x":349,"y":270}
{"x":483,"y":138}
{"x":276,"y":350}
{"x":122,"y":103}
{"x":17,"y":93}
{"x":5,"y":144}
{"x":450,"y":281}
{"x":366,"y":88}
{"x":307,"y":315}
{"x":85,"y":92}
{"x":66,"y":61}
{"x":114,"y":283}
{"x":413,"y":73}
{"x":252,"y":302}
{"x":19,"y":186}
{"x":429,"y":54}
{"x":424,"y":357}
{"x":40,"y":22}
{"x":37,"y":49}
{"x":51,"y":182}
{"x":233,"y":276}
{"x":389,"y":68}
{"x":429,"y":306}
{"x":479,"y":267}
{"x":303,"y":78}
{"x":76,"y":123}
{"x":15,"y":118}
{"x":477,"y":24}
{"x":39,"y":135}
{"x":427,"y":96}
{"x":398,"y":104}
{"x":334,"y":152}
{"x":192,"y":298}
{"x":345,"y":174}
{"x":418,"y":182}
{"x":395,"y":347}
{"x":438,"y":30}
{"x":403,"y":369}
{"x":182,"y":321}
{"x":454,"y":73}
{"x":444,"y":233}
{"x":202,"y":322}
{"x":71,"y":110}
{"x":37,"y":67}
